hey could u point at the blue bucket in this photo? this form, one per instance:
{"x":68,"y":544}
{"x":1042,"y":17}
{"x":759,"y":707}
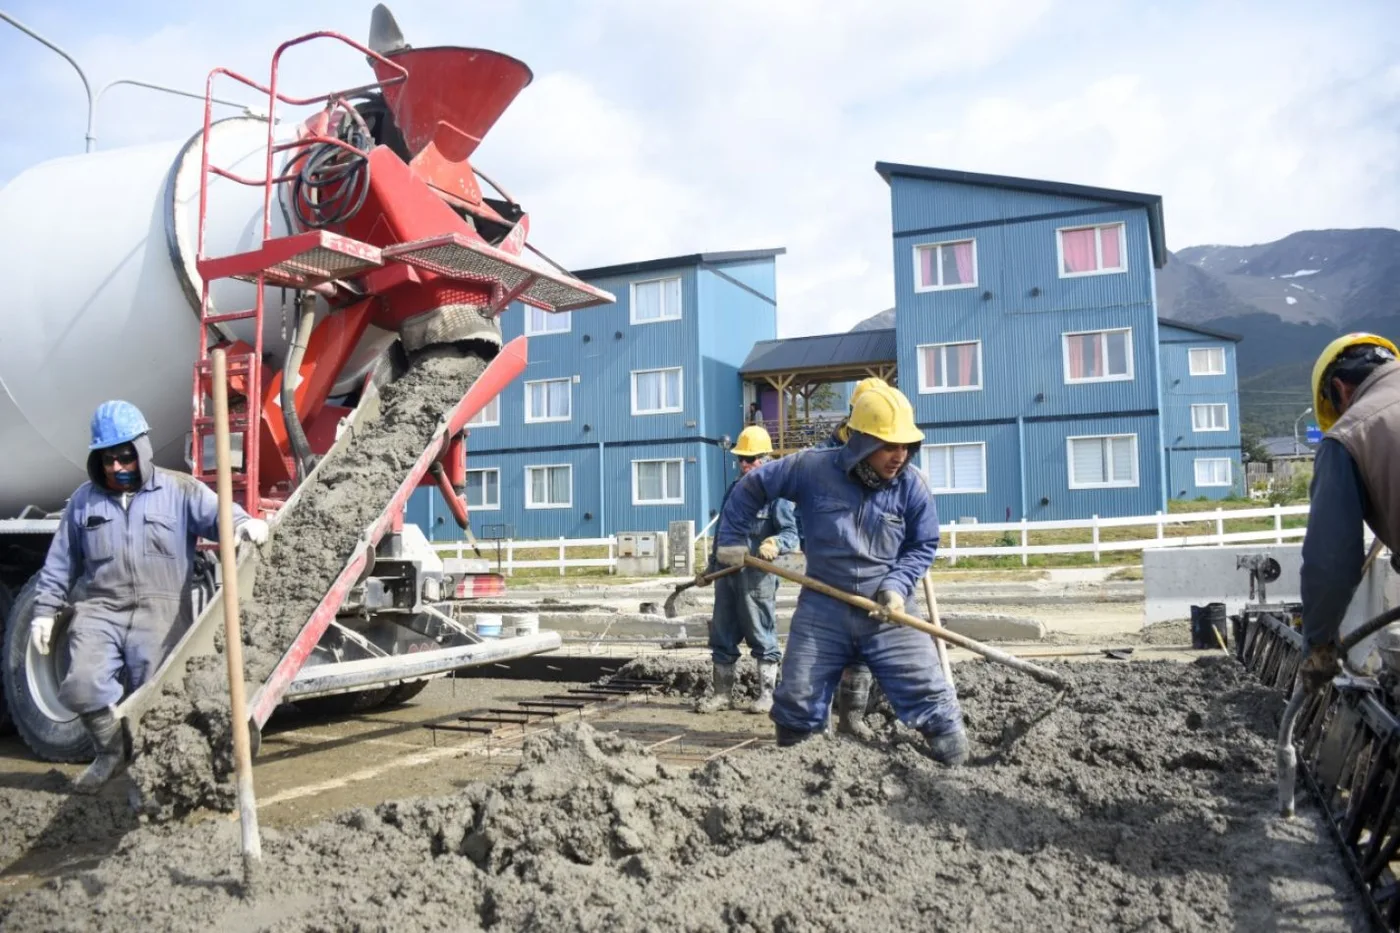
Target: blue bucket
{"x":488,"y":625}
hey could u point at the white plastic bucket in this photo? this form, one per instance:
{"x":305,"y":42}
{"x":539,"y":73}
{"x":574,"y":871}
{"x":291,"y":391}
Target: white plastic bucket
{"x":527,"y":623}
{"x":488,"y":625}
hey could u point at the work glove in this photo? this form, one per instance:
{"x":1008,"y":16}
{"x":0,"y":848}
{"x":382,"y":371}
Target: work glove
{"x":254,"y":530}
{"x":768,"y":550}
{"x":889,"y":601}
{"x":732,"y":555}
{"x":1319,"y":667}
{"x":41,"y":633}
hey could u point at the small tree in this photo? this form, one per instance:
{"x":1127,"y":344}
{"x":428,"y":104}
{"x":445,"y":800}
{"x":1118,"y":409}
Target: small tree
{"x":1252,"y":447}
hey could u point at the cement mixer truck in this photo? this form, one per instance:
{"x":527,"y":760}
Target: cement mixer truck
{"x":326,"y":247}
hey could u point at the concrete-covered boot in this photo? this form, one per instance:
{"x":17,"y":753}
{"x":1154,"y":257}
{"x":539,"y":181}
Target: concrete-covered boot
{"x":852,"y":698}
{"x":723,"y":698}
{"x":107,"y":738}
{"x":767,"y":680}
{"x":949,"y":749}
{"x":787,"y":738}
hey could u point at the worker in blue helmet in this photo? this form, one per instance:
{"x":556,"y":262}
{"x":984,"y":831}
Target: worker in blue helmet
{"x":126,"y":542}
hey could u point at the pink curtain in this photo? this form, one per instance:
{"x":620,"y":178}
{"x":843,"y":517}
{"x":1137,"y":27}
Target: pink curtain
{"x":928,"y":275}
{"x":1109,"y":238}
{"x":1078,"y":247}
{"x":966,"y":359}
{"x":1099,"y":370}
{"x":1076,"y":357}
{"x":962,"y":253}
{"x":933,"y":366}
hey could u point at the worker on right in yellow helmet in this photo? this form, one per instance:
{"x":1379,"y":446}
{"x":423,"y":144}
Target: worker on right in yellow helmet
{"x":872,"y":529}
{"x":1356,"y":398}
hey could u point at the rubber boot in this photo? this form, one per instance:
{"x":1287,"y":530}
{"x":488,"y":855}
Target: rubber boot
{"x":949,"y":749}
{"x":767,"y":680}
{"x":106,"y":732}
{"x":852,"y":697}
{"x":723,"y":698}
{"x":789,"y":737}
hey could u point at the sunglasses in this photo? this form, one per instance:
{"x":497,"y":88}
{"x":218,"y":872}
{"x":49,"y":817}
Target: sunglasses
{"x":119,"y":456}
{"x":748,"y":459}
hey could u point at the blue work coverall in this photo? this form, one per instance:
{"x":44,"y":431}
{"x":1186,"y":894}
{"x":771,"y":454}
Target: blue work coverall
{"x":1333,"y":548}
{"x":860,"y":540}
{"x":135,"y":566}
{"x":746,"y":602}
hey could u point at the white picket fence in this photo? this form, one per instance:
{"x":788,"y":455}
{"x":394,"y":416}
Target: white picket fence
{"x":950,"y":549}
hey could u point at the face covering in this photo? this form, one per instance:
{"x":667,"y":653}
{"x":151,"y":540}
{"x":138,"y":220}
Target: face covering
{"x":126,"y":479}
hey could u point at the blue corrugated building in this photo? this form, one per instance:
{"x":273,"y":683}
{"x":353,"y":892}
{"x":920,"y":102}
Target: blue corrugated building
{"x":1028,"y":341}
{"x":617,"y":423}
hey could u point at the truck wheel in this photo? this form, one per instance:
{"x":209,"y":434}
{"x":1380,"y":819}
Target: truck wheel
{"x":6,"y":600}
{"x":50,"y":729}
{"x":343,"y":704}
{"x":402,"y":693}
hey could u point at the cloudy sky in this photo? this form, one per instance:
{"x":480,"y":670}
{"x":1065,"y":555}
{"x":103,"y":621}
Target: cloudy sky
{"x":658,"y":127}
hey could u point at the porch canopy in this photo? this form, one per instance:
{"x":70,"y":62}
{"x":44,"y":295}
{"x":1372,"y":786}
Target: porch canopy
{"x":797,"y":367}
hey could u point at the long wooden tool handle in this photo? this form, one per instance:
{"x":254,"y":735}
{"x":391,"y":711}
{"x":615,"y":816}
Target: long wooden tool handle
{"x":903,"y":618}
{"x":233,"y":638}
{"x":931,"y":602}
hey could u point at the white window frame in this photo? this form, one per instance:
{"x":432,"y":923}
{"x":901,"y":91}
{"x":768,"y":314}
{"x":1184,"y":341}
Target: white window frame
{"x":1110,"y":483}
{"x":487,"y":507}
{"x":530,"y":312}
{"x":632,"y":300}
{"x":938,"y":264}
{"x":925,"y":388}
{"x":530,"y":504}
{"x":1104,"y":332}
{"x":636,"y":481}
{"x":486,"y":422}
{"x":568,"y":381}
{"x":1225,"y":422}
{"x":680,"y":391}
{"x":1122,"y":229}
{"x":1191,"y":361}
{"x":1229,"y":472}
{"x":953,"y":490}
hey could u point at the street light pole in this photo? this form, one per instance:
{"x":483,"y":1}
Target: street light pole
{"x":87,"y":86}
{"x":1307,"y":411}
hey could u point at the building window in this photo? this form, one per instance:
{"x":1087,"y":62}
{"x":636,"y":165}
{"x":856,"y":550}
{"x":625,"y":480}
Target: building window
{"x":539,"y":322}
{"x":549,"y":487}
{"x":657,"y":300}
{"x":657,"y":482}
{"x":945,"y":265}
{"x":1207,"y":361}
{"x":1092,"y":250}
{"x":1214,"y":417}
{"x":549,"y":400}
{"x":950,"y":367}
{"x":483,"y":489}
{"x":1213,"y":472}
{"x":1096,"y":462}
{"x":488,"y":417}
{"x":956,"y":467}
{"x":1098,"y":356}
{"x":656,"y":391}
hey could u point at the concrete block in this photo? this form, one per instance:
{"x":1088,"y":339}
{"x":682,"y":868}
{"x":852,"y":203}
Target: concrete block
{"x":1175,"y":579}
{"x":994,"y":627}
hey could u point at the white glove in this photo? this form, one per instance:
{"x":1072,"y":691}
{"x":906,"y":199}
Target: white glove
{"x":254,"y":530}
{"x":889,"y":601}
{"x":41,"y":633}
{"x":768,"y":550}
{"x":732,"y":555}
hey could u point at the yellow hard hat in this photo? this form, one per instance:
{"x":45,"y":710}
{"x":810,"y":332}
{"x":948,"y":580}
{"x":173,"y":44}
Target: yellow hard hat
{"x":865,"y":385}
{"x":884,"y":412}
{"x":1323,"y":408}
{"x":753,"y":442}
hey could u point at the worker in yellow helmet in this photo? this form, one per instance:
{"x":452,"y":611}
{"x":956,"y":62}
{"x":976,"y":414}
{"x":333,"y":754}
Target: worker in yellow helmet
{"x":872,"y":529}
{"x":746,"y":603}
{"x":1356,"y":397}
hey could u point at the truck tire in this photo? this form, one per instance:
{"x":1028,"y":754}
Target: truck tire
{"x":343,"y":704}
{"x":6,"y":600}
{"x":50,"y":729}
{"x":402,"y":693}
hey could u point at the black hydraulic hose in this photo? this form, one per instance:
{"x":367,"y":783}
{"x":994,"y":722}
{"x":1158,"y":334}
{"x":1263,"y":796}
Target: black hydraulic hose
{"x":291,"y":378}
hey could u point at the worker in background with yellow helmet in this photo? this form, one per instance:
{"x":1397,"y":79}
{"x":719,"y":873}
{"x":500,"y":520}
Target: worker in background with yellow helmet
{"x":853,"y":696}
{"x":746,"y":602}
{"x":872,"y":529}
{"x":1356,"y":397}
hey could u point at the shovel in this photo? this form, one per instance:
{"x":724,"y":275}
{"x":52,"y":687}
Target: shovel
{"x":703,"y":580}
{"x":995,"y":655}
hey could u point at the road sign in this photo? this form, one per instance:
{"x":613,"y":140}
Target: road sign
{"x":1314,"y":435}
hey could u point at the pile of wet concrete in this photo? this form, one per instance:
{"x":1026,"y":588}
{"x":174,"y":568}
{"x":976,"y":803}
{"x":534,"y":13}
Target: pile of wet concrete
{"x":1143,"y":801}
{"x":183,"y":754}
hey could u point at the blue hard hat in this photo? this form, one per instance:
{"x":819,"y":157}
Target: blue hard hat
{"x":116,"y":422}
